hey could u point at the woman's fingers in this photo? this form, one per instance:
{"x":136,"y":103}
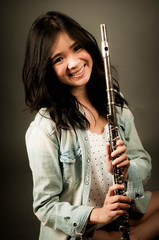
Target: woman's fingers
{"x":119,"y":156}
{"x":115,"y":205}
{"x":113,"y":188}
{"x":121,"y":161}
{"x":119,"y":150}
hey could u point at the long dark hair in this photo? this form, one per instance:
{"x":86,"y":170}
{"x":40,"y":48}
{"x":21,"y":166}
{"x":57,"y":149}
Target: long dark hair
{"x":42,"y":87}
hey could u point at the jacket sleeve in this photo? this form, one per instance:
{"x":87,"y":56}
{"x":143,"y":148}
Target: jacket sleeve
{"x":48,"y":185}
{"x":140,"y":161}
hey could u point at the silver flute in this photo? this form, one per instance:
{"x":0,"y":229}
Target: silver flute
{"x":123,"y":221}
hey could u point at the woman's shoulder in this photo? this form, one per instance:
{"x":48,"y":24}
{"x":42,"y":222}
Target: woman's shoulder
{"x":124,"y":112}
{"x":43,"y":122}
{"x":124,"y":115}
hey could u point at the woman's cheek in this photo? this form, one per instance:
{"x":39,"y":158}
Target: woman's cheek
{"x":59,"y":72}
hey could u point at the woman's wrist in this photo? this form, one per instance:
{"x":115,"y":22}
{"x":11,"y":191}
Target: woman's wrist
{"x":94,"y":216}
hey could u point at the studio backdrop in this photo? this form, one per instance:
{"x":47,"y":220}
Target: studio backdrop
{"x":133,"y":40}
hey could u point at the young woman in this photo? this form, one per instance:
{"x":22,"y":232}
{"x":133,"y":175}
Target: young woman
{"x":67,"y":146}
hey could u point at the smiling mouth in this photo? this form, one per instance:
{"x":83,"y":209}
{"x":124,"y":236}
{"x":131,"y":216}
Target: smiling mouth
{"x":79,"y":72}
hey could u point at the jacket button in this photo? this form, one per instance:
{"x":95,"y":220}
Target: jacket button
{"x":75,"y":224}
{"x":86,"y":138}
{"x":137,"y":195}
{"x":86,"y":182}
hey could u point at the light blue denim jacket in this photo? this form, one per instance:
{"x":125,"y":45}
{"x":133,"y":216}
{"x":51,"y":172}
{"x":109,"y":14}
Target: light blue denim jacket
{"x":60,"y":164}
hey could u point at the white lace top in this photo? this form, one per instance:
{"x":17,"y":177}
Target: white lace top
{"x":101,"y":179}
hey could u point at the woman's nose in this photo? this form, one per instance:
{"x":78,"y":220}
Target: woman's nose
{"x":72,"y":62}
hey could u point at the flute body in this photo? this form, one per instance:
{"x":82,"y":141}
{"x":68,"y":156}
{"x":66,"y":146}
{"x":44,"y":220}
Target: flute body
{"x":123,"y":220}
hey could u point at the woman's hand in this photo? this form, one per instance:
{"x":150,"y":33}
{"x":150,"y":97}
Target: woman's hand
{"x":114,"y":206}
{"x":121,"y":159}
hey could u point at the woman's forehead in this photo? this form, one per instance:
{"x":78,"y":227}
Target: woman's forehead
{"x":63,"y":40}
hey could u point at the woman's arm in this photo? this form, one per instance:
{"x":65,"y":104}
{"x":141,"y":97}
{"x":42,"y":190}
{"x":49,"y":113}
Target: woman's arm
{"x":43,"y":154}
{"x":140,"y":161}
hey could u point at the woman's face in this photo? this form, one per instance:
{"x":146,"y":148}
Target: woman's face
{"x":72,"y":64}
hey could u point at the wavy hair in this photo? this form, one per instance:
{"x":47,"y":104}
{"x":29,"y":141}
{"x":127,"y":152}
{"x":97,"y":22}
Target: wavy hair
{"x":42,"y":87}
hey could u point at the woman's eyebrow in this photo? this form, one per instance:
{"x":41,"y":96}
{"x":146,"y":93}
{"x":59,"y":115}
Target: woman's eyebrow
{"x":60,"y":53}
{"x":57,"y":55}
{"x":74,"y":44}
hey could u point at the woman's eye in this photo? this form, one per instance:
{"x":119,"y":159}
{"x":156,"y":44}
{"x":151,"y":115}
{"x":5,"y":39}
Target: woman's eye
{"x":59,"y":59}
{"x":77,"y":48}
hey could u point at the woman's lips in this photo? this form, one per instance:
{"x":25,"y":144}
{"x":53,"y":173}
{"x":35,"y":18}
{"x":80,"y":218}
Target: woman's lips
{"x":78,"y":73}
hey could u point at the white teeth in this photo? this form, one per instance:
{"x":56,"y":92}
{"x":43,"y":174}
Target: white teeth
{"x":74,"y":74}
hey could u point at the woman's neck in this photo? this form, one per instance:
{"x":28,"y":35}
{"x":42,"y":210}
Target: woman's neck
{"x":97,"y":122}
{"x":81,"y":94}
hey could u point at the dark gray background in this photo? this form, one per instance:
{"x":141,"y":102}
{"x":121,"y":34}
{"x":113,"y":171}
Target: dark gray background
{"x":134,"y":46}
